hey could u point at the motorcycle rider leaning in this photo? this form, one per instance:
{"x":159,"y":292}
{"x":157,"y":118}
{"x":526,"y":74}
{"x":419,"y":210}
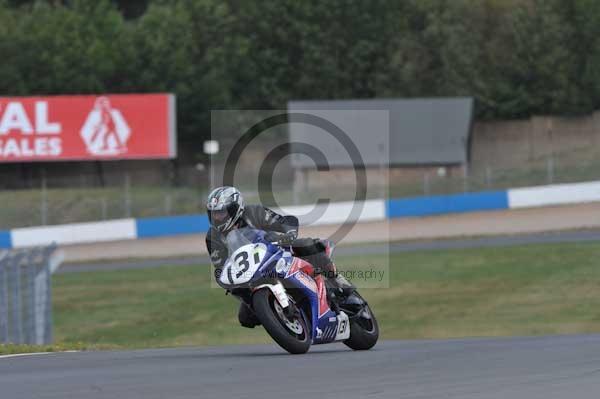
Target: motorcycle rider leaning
{"x":227,"y":211}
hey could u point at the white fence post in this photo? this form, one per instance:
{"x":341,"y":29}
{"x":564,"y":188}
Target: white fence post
{"x":44,"y":200}
{"x":127,"y":196}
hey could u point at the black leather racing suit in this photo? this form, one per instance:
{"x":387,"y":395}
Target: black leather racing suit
{"x":259,"y":217}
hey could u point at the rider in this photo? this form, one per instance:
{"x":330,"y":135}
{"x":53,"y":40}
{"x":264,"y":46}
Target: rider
{"x":227,"y":211}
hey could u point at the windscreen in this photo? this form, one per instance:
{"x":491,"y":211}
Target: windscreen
{"x":240,"y":237}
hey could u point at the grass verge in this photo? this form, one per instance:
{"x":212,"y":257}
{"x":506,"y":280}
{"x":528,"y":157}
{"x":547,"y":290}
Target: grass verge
{"x":527,"y":290}
{"x":12,"y":349}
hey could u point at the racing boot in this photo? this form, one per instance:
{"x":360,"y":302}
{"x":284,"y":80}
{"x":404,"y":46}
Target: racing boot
{"x":340,"y":287}
{"x":345,"y":287}
{"x":246,"y":317}
{"x":336,"y":283}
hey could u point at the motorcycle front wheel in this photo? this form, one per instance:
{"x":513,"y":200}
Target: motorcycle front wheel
{"x":291,"y":332}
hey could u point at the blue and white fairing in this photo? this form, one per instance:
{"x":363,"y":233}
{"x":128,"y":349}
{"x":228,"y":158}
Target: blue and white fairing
{"x":327,"y":325}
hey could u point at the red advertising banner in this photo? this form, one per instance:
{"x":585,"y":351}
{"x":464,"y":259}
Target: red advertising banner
{"x":82,"y":128}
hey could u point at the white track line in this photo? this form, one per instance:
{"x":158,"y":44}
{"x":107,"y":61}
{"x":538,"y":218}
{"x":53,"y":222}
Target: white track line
{"x":34,"y":354}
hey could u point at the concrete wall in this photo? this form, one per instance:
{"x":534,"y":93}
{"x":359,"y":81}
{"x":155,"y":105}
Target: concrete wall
{"x":511,"y":144}
{"x":313,"y":179}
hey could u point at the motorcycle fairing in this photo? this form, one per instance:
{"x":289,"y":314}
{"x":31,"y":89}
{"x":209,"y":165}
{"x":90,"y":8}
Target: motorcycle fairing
{"x":325,"y":323}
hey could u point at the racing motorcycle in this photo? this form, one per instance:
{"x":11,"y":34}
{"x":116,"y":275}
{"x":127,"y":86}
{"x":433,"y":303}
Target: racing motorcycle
{"x":291,"y":302}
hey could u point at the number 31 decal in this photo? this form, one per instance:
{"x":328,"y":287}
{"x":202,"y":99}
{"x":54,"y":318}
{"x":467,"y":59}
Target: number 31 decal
{"x":245,"y":265}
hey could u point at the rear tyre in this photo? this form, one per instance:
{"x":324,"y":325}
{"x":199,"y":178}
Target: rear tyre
{"x":364,"y":330}
{"x":290,"y":332}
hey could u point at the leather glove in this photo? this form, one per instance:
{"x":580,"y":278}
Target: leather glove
{"x":287,"y":238}
{"x":284,"y":239}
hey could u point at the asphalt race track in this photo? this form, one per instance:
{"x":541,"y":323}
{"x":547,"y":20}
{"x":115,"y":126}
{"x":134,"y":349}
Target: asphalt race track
{"x":533,"y":367}
{"x":538,"y":367}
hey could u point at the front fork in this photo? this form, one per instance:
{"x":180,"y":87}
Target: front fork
{"x":278,"y":292}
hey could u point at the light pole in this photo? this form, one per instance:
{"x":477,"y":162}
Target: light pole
{"x":211,"y":148}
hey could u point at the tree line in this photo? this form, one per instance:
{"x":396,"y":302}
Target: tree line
{"x":516,"y":57}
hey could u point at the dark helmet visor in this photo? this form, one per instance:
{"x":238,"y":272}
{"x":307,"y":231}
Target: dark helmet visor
{"x":221,"y":219}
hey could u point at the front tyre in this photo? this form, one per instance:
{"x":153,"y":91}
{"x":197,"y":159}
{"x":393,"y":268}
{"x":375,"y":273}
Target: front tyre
{"x":291,"y":332}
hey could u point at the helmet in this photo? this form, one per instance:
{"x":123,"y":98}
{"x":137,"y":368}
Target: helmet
{"x":225,"y":206}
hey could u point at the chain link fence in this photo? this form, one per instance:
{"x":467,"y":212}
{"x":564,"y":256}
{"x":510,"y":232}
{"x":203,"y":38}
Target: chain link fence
{"x":26,"y":295}
{"x":56,"y":199}
{"x":571,"y":167}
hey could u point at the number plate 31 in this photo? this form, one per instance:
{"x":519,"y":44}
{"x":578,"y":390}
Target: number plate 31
{"x":242,"y":264}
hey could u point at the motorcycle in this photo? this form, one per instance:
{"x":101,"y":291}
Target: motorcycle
{"x":291,"y":302}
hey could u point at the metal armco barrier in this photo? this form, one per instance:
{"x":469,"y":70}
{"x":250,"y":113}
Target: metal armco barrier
{"x":26,"y":295}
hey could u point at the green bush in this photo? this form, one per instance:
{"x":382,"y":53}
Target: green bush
{"x":516,"y":57}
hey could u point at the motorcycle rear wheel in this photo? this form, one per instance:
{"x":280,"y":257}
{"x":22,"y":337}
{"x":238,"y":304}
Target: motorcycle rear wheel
{"x":364,"y":330}
{"x":290,"y":332}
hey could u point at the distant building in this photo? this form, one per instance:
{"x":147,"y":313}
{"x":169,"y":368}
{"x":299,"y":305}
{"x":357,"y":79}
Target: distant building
{"x":420,"y":136}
